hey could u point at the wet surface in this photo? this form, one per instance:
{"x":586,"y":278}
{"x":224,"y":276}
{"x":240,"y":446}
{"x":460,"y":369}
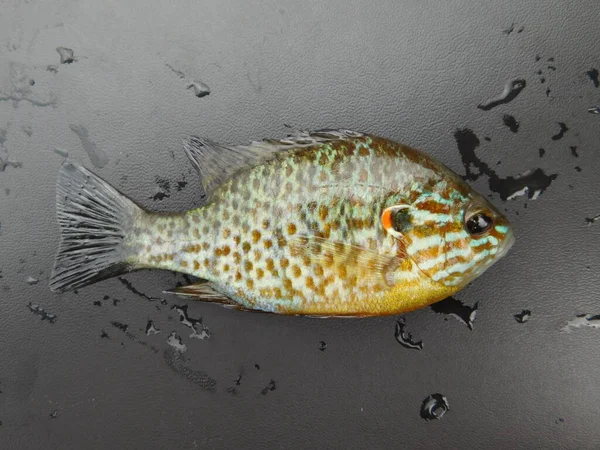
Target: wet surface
{"x":515,"y":352}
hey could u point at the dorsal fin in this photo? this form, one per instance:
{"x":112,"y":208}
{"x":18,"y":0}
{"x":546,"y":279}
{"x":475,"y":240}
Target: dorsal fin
{"x":217,"y":162}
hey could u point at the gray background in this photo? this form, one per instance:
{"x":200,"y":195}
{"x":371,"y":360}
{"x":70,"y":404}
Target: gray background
{"x":413,"y":71}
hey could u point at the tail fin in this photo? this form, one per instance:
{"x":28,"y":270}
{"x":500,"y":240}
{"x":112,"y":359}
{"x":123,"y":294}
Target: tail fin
{"x":94,"y":219}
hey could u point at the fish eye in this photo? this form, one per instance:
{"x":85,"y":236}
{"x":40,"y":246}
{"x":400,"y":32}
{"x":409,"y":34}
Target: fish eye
{"x":478,"y":224}
{"x":400,"y":220}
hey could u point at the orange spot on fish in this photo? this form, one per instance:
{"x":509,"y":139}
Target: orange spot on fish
{"x":291,"y":228}
{"x":296,"y":271}
{"x":285,"y":262}
{"x":250,"y":284}
{"x":183,"y":263}
{"x":259,"y":273}
{"x":248,"y":266}
{"x":196,"y":265}
{"x":226,"y":233}
{"x":270,"y":264}
{"x":255,"y":236}
{"x":238,"y":276}
{"x":268,"y":244}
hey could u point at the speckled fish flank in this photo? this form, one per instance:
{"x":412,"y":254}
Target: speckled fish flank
{"x":330,"y":223}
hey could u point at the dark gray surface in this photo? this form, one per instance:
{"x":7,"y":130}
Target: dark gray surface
{"x":410,"y":70}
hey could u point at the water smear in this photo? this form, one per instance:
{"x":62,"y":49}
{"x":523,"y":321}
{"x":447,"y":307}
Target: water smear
{"x":270,"y":387}
{"x":582,"y":320}
{"x":39,"y":311}
{"x":322,"y":346}
{"x":512,"y":88}
{"x":592,"y":220}
{"x":404,"y":338}
{"x":463,"y":313}
{"x":434,"y":407}
{"x":31,"y":281}
{"x":97,"y":156}
{"x":125,"y":329}
{"x":20,"y":89}
{"x":594,"y":110}
{"x":531,"y":183}
{"x":174,"y":360}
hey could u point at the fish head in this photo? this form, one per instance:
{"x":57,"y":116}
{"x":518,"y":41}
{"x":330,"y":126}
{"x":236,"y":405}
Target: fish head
{"x":451,"y":234}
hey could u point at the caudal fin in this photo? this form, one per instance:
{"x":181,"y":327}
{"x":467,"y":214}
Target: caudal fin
{"x":94,"y":219}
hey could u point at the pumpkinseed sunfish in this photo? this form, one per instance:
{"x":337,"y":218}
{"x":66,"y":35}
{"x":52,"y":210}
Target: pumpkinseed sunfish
{"x":323,"y":223}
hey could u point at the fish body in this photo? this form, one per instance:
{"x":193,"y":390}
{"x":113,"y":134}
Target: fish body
{"x":329,"y":223}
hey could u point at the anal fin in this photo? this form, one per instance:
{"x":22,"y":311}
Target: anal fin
{"x":202,"y":291}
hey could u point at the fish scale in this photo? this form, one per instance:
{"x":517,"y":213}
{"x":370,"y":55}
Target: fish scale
{"x":296,"y":227}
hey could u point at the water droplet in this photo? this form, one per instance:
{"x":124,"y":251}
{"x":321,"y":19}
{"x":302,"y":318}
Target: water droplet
{"x":200,"y":89}
{"x":509,"y":29}
{"x":322,"y":346}
{"x":574,"y":151}
{"x":104,"y":335}
{"x":97,"y":303}
{"x":269,"y":387}
{"x":594,"y":110}
{"x":512,"y":88}
{"x":61,"y":152}
{"x":54,"y":414}
{"x":176,"y":342}
{"x":542,"y":152}
{"x":256,"y":366}
{"x":563,"y":129}
{"x":511,"y":123}
{"x":582,"y":320}
{"x":52,"y":68}
{"x":593,"y":75}
{"x":199,"y":331}
{"x":31,"y":280}
{"x":523,"y":316}
{"x":592,"y":220}
{"x":151,"y":328}
{"x":67,"y":55}
{"x":435,"y":406}
{"x":404,"y":338}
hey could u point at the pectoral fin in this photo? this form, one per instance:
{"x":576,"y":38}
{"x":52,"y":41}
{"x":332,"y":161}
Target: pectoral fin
{"x":366,"y":265}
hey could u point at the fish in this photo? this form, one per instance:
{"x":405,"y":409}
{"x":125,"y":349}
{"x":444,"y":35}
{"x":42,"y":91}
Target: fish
{"x":325,"y":223}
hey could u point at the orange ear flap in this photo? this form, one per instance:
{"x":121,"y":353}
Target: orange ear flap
{"x":386,"y":218}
